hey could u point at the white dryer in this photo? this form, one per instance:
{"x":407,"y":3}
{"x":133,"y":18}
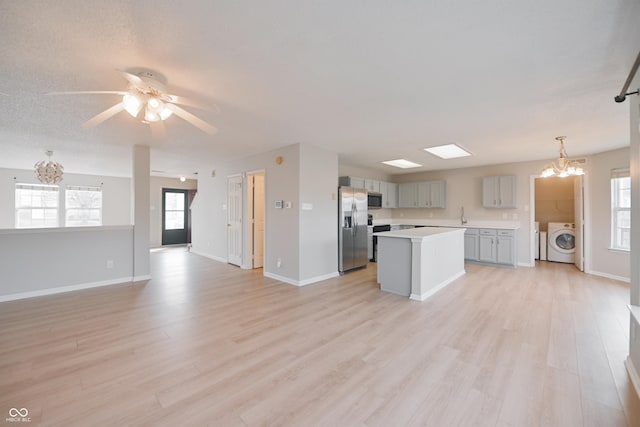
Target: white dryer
{"x":562,"y":242}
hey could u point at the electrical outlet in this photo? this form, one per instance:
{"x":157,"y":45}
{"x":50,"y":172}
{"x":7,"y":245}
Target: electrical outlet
{"x":109,"y":263}
{"x":279,"y":263}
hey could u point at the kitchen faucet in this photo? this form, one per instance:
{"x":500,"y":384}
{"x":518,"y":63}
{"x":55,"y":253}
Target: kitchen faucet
{"x":463,"y":220}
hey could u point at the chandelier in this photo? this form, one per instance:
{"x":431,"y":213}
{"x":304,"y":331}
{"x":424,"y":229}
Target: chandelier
{"x":564,"y":167}
{"x":48,"y":171}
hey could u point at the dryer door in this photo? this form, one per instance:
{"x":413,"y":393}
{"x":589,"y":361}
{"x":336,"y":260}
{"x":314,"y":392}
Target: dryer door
{"x":565,"y":241}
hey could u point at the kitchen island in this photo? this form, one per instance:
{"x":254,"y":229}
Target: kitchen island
{"x":418,"y":262}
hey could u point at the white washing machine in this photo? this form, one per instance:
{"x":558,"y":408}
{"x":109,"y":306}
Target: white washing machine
{"x":562,"y":242}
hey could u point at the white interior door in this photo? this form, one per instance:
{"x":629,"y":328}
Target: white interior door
{"x":234,"y":220}
{"x":258,"y":221}
{"x":578,"y":197}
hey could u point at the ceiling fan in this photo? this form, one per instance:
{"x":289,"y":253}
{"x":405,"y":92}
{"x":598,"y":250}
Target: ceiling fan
{"x":147,"y":98}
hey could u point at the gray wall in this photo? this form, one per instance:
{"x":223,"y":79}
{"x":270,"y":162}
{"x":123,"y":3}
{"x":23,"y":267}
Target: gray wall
{"x":281,"y":225}
{"x":45,"y":259}
{"x":305,"y":241}
{"x":604,"y":260}
{"x":318,"y":226}
{"x":634,"y":339}
{"x":156,"y":185}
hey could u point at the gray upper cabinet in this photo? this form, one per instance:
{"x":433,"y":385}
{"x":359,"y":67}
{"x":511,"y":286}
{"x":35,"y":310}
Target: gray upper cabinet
{"x":372,"y":185}
{"x":389,"y":192}
{"x":431,"y":194}
{"x":408,"y":195}
{"x":499,"y":192}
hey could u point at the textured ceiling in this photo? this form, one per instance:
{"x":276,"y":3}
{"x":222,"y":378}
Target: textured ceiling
{"x":371,"y":80}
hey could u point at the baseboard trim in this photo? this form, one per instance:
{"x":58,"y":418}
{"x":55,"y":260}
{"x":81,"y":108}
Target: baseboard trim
{"x":62,"y":289}
{"x":142,"y":278}
{"x":633,"y":374}
{"x":213,"y":257}
{"x":430,"y":292}
{"x":300,"y":282}
{"x":609,"y":276}
{"x":526,"y":264}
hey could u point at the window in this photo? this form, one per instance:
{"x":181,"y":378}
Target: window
{"x":36,"y":205}
{"x":620,"y":209}
{"x":83,"y":206}
{"x":174,"y":211}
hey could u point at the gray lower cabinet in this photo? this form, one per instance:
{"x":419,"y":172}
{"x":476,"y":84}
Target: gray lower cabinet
{"x":471,"y":242}
{"x":491,"y":246}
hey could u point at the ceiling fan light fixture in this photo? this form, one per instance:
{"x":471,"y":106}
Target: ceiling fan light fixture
{"x":150,"y":115}
{"x":165,"y":113}
{"x":155,"y":104}
{"x":132,"y":104}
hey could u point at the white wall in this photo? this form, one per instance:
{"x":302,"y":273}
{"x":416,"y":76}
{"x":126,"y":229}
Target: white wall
{"x":156,"y":185}
{"x":116,"y":195}
{"x":41,"y":261}
{"x":603,"y":260}
{"x":306,"y":241}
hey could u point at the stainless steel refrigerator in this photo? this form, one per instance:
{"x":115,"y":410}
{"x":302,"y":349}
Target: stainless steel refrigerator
{"x":352,"y":235}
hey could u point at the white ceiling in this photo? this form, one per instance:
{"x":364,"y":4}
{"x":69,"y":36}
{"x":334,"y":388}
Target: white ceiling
{"x":373,"y":80}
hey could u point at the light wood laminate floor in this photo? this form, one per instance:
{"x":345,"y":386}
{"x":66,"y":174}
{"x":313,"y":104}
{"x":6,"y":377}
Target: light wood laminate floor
{"x":205,"y":343}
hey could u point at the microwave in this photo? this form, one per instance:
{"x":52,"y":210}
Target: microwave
{"x":374,"y":200}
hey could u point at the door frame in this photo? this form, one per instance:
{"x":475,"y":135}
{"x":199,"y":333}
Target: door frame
{"x":186,"y":215}
{"x":586,"y":215}
{"x":248,"y":264}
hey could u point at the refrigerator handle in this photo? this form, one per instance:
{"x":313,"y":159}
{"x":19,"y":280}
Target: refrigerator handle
{"x":354,"y":209}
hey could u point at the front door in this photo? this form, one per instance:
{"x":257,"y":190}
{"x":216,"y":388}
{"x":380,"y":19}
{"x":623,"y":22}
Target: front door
{"x":174,"y":216}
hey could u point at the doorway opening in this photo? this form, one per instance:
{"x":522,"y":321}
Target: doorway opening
{"x":256,"y":212}
{"x":558,"y":220}
{"x":176,"y":221}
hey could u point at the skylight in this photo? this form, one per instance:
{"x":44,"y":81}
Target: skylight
{"x":402,"y":163}
{"x":448,"y":151}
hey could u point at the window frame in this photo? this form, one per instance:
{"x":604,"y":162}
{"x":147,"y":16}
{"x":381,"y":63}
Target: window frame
{"x":617,"y":231}
{"x":18,"y":206}
{"x":69,"y":189}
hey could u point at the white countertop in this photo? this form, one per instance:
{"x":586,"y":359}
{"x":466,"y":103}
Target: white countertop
{"x":453,"y":223}
{"x":418,"y":233}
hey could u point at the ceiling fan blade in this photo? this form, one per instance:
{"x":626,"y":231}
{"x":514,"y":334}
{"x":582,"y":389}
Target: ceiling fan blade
{"x":106,"y":114}
{"x":132,"y":78}
{"x":89,"y":92}
{"x":181,"y":100}
{"x":196,"y":121}
{"x":158,"y":130}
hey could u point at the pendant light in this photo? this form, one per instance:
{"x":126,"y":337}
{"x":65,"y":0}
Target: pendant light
{"x":48,"y":171}
{"x":564,"y":166}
